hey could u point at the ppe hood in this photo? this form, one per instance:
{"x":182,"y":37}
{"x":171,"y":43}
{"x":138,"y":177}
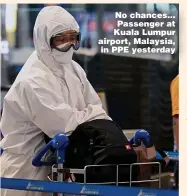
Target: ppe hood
{"x":50,"y":21}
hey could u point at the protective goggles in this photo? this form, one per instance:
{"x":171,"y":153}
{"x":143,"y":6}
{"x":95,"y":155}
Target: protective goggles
{"x":67,"y":41}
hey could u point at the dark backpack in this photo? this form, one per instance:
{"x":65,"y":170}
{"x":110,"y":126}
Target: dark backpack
{"x":100,"y":142}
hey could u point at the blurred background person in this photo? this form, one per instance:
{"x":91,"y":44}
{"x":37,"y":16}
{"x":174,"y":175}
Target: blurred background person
{"x":175,"y":114}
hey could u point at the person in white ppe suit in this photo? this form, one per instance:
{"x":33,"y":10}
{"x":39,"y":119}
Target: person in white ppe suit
{"x":51,"y":94}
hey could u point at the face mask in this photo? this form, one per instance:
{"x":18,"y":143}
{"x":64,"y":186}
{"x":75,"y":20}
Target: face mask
{"x":63,"y":57}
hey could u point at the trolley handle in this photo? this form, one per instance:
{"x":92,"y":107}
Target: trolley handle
{"x":59,"y":143}
{"x":143,"y":136}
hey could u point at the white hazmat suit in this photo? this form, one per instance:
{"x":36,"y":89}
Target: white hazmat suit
{"x":51,"y":94}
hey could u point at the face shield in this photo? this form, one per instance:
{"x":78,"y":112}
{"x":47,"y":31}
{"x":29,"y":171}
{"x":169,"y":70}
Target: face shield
{"x":64,"y":41}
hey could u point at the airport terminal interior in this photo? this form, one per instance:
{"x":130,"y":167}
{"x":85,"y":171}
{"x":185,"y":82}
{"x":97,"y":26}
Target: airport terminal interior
{"x":134,"y":89}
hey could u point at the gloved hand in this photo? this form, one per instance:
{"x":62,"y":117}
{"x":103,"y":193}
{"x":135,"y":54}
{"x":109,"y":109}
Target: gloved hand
{"x":142,"y":136}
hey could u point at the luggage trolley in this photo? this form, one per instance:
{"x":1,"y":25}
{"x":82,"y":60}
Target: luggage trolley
{"x":60,"y":143}
{"x":60,"y":188}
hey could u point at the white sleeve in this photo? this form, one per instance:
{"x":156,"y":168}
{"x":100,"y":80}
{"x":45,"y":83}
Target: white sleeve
{"x":47,"y":110}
